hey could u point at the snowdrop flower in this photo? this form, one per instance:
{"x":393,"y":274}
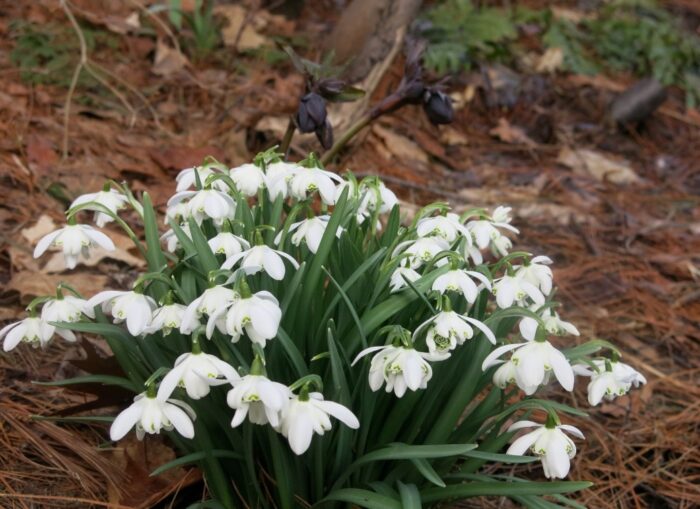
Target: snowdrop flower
{"x":397,"y":281}
{"x":487,"y":230}
{"x":66,"y":309}
{"x":352,"y":187}
{"x":133,"y":307}
{"x":187,"y":178}
{"x":171,"y":240}
{"x":460,"y":281}
{"x":74,"y":240}
{"x":213,"y":302}
{"x":196,"y":372}
{"x":533,"y":360}
{"x":259,"y":398}
{"x":257,"y":315}
{"x":249,"y":178}
{"x":537,"y":273}
{"x":228,"y":244}
{"x":277,"y":177}
{"x":310,"y":231}
{"x":32,"y":330}
{"x":501,"y":246}
{"x":309,"y":414}
{"x":207,"y":203}
{"x":447,"y":227}
{"x":400,"y":368}
{"x":422,"y":250}
{"x":307,"y":180}
{"x":110,"y":199}
{"x":552,"y":324}
{"x":448,"y":329}
{"x":259,"y":258}
{"x":151,"y":414}
{"x":514,"y":289}
{"x":373,"y":195}
{"x":167,"y":318}
{"x":505,"y":374}
{"x":177,"y":212}
{"x":609,"y":379}
{"x":550,"y":443}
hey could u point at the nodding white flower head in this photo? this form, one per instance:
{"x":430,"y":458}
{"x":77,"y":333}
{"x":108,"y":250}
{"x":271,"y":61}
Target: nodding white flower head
{"x":422,"y":250}
{"x":151,"y":414}
{"x":228,"y":244}
{"x":352,"y":187}
{"x":135,"y":308}
{"x":207,"y":203}
{"x":375,"y":197}
{"x":505,"y":374}
{"x":310,"y":231}
{"x":501,"y":246}
{"x":537,"y":273}
{"x":249,"y":179}
{"x":448,"y":329}
{"x":261,"y":258}
{"x":554,"y":448}
{"x":609,"y":379}
{"x":511,"y":290}
{"x":552,"y":324}
{"x":33,"y":330}
{"x":66,"y":309}
{"x":167,"y":318}
{"x":447,"y":227}
{"x":309,"y":414}
{"x":399,"y":277}
{"x":460,"y":281}
{"x":187,"y":178}
{"x":258,"y":315}
{"x":400,"y":368}
{"x":111,"y":199}
{"x":172,"y":243}
{"x":177,"y":212}
{"x":259,"y":398}
{"x":307,"y":180}
{"x":214,"y":301}
{"x":277,"y":177}
{"x":485,"y":231}
{"x":196,"y":373}
{"x":533,"y":361}
{"x":74,"y":240}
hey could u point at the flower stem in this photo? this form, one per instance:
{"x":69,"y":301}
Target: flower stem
{"x":288,"y":135}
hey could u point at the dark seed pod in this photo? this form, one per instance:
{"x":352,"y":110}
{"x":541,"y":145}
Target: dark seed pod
{"x":438,"y":107}
{"x":311,"y":114}
{"x":325,"y":135}
{"x":413,"y":92}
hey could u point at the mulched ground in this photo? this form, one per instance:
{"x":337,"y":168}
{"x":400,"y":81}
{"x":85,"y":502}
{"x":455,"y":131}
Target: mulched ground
{"x":627,"y":253}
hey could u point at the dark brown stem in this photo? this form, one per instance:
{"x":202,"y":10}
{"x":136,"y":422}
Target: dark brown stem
{"x":288,"y":135}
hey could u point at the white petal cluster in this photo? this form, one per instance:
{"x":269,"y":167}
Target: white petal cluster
{"x":74,"y":240}
{"x":259,"y":398}
{"x":258,"y":316}
{"x":249,"y":179}
{"x":310,"y":231}
{"x":537,"y":273}
{"x":112,"y":200}
{"x":150,"y":415}
{"x":374,"y":197}
{"x":422,"y":250}
{"x":448,"y":227}
{"x":31,"y":330}
{"x":136,"y":309}
{"x":228,"y":244}
{"x":460,"y":281}
{"x":553,"y":324}
{"x":305,"y":181}
{"x":510,"y":290}
{"x":609,"y":379}
{"x":187,"y":178}
{"x":167,"y":318}
{"x":261,"y":258}
{"x":398,"y":278}
{"x":277,"y":177}
{"x":214,"y":301}
{"x":196,"y":373}
{"x":448,"y":329}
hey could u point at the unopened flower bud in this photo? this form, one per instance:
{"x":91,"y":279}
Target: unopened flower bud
{"x":311,"y":115}
{"x":325,"y":135}
{"x":331,"y":86}
{"x":438,"y":107}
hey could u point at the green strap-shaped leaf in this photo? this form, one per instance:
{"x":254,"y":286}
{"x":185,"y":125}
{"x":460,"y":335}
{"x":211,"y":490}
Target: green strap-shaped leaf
{"x":501,"y":488}
{"x":94,"y":379}
{"x":193,"y":458}
{"x":363,"y":498}
{"x":427,"y":471}
{"x":154,"y":254}
{"x":410,"y":496}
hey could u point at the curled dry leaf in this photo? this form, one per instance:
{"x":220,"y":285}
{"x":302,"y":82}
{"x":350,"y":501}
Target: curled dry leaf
{"x":597,"y":165}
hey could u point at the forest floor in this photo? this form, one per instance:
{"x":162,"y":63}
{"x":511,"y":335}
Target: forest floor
{"x":618,"y":210}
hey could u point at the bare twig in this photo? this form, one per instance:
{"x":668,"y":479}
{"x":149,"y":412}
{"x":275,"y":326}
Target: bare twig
{"x":76,"y":74}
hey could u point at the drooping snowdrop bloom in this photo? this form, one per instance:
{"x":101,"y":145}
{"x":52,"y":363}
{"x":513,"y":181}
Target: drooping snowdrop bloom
{"x":505,"y":374}
{"x":422,"y":250}
{"x":258,"y":316}
{"x":66,"y":309}
{"x":310,"y":231}
{"x":501,"y":246}
{"x":112,"y":200}
{"x":537,"y":273}
{"x":172,"y":243}
{"x":167,"y":318}
{"x":259,"y":258}
{"x":400,"y":368}
{"x":304,"y":417}
{"x":375,"y":197}
{"x":207,"y":203}
{"x":187,"y":179}
{"x":277,"y":177}
{"x":448,"y":227}
{"x":609,"y":379}
{"x":448,"y":329}
{"x":554,"y":448}
{"x":228,"y":244}
{"x":177,"y":212}
{"x":487,"y":230}
{"x":460,"y":281}
{"x":151,"y":414}
{"x":214,"y":301}
{"x":533,"y":360}
{"x":552,"y":324}
{"x":249,"y":178}
{"x":514,"y":289}
{"x":31,"y":330}
{"x":307,"y":180}
{"x":399,"y":277}
{"x":196,"y":373}
{"x":134,"y":308}
{"x":259,"y":398}
{"x":74,"y":240}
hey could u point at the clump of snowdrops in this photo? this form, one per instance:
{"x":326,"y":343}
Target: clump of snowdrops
{"x":303,"y":343}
